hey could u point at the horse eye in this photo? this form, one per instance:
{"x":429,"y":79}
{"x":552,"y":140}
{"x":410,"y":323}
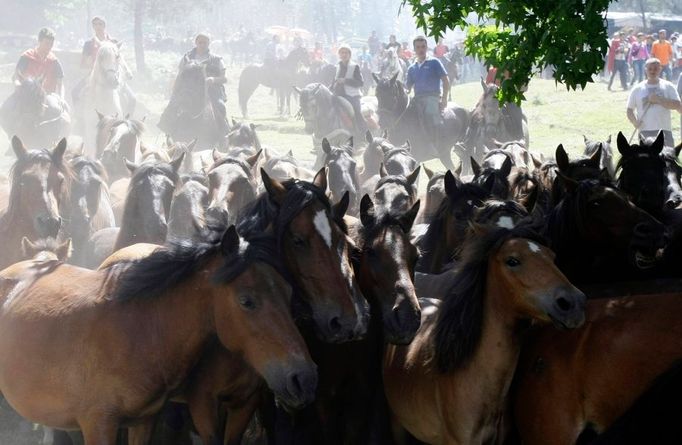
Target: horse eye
{"x":298,"y":241}
{"x":513,"y":262}
{"x":247,"y":302}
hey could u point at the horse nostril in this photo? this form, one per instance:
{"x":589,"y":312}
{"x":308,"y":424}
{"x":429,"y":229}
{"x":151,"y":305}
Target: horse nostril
{"x":335,"y":325}
{"x":564,"y":304}
{"x":294,"y":385}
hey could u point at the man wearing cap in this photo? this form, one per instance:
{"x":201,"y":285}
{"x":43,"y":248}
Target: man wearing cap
{"x":348,"y":83}
{"x":425,"y":76}
{"x":41,"y":63}
{"x":663,"y":51}
{"x":650,"y":103}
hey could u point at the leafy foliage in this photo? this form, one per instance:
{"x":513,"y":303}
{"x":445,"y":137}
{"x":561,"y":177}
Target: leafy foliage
{"x":519,"y":36}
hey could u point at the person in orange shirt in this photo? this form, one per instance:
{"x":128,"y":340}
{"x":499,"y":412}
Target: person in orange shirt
{"x":663,"y":51}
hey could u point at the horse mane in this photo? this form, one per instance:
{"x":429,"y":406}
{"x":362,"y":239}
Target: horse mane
{"x":42,"y":156}
{"x":142,"y":174}
{"x":565,"y":223}
{"x":459,"y":326}
{"x":491,"y":207}
{"x":263,"y":211}
{"x":500,"y":151}
{"x":81,"y":161}
{"x":373,"y":228}
{"x":167,"y":267}
{"x":233,"y":161}
{"x":136,"y":126}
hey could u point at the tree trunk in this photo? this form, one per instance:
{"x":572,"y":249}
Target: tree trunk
{"x":139,"y":40}
{"x":642,"y":9}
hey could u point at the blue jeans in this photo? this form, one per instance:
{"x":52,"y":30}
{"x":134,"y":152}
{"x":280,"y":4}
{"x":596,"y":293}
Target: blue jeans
{"x":638,"y":66}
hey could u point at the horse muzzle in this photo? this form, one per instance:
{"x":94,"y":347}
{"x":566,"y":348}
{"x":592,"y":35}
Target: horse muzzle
{"x":566,"y":307}
{"x":401,"y":322}
{"x":293,"y":383}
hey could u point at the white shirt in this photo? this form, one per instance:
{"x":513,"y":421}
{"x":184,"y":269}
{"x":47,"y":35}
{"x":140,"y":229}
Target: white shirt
{"x":656,"y":117}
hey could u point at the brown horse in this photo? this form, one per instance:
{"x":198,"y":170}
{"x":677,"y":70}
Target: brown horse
{"x":40,"y":183}
{"x":231,"y":185}
{"x":450,"y":385}
{"x":100,"y":349}
{"x":578,"y":383}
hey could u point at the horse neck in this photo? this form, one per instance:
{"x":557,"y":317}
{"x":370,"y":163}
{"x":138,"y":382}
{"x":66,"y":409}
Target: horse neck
{"x":179,"y":323}
{"x":133,"y":223}
{"x":491,"y":369}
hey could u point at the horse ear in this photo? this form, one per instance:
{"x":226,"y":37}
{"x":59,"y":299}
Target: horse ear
{"x":320,"y":179}
{"x":229,"y":244}
{"x":605,"y":177}
{"x":657,"y":146}
{"x":177,"y":162}
{"x":570,"y":184}
{"x":429,"y":172}
{"x":585,"y":139}
{"x":412,"y":177}
{"x":475,"y":167}
{"x":458,"y":170}
{"x":407,"y":220}
{"x":375,"y":77}
{"x":595,"y":159}
{"x":326,"y":146}
{"x":217,"y":156}
{"x":130,"y":165}
{"x":144,"y":118}
{"x":251,"y":160}
{"x":368,"y":137}
{"x":290,"y":153}
{"x":143,"y":150}
{"x":608,"y":140}
{"x":561,"y":158}
{"x":340,"y":208}
{"x":19,"y":149}
{"x":407,"y":145}
{"x":119,"y":44}
{"x":451,"y":185}
{"x":64,"y":250}
{"x":486,"y":150}
{"x":28,"y":249}
{"x":58,"y":152}
{"x":624,"y":147}
{"x":367,"y":211}
{"x":677,"y":149}
{"x":275,"y":189}
{"x":100,"y":116}
{"x":235,"y":123}
{"x":192,"y":144}
{"x":385,"y":134}
{"x":506,"y":167}
{"x":536,"y":162}
{"x":382,"y":170}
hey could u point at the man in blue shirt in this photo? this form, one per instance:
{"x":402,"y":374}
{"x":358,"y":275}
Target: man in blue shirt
{"x":425,"y":75}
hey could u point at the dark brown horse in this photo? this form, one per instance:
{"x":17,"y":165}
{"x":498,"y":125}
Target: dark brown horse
{"x":574,"y":385}
{"x":40,"y":184}
{"x":117,"y":140}
{"x":450,"y":385}
{"x":115,"y":343}
{"x":231,"y":185}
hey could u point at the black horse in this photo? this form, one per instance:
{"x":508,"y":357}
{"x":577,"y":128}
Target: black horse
{"x":401,"y":121}
{"x":280,"y":75}
{"x":189,"y":114}
{"x":37,"y":118}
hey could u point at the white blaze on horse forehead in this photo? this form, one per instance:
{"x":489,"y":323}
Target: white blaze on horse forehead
{"x":533,"y":247}
{"x":506,"y":222}
{"x":321,"y":222}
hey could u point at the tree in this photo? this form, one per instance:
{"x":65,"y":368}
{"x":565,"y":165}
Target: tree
{"x":520,"y":36}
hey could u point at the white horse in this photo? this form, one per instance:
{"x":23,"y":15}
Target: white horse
{"x":101,"y":93}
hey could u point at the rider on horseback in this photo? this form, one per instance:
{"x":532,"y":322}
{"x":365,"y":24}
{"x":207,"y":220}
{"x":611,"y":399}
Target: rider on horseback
{"x":41,"y":63}
{"x":426,"y":75}
{"x":347,"y":84}
{"x":215,"y":78}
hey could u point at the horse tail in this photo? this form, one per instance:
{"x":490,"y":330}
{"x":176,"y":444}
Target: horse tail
{"x":249,"y":80}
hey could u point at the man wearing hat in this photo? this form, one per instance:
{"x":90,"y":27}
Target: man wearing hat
{"x":650,"y":103}
{"x":348,"y":83}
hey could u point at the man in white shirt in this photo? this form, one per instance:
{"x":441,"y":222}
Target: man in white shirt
{"x":650,"y":103}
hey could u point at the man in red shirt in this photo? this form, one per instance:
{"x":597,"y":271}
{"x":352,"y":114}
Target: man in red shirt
{"x":41,"y":63}
{"x":440,"y":50}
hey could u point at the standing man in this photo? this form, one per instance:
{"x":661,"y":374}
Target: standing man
{"x":426,"y":75}
{"x":619,"y":50}
{"x":650,"y":103}
{"x":347,"y":84}
{"x":663,"y":51}
{"x":41,"y":63}
{"x":215,"y":78}
{"x":374,"y":44}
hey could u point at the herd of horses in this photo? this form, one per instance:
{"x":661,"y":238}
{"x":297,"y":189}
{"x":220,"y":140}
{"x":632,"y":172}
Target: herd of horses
{"x":149,"y":292}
